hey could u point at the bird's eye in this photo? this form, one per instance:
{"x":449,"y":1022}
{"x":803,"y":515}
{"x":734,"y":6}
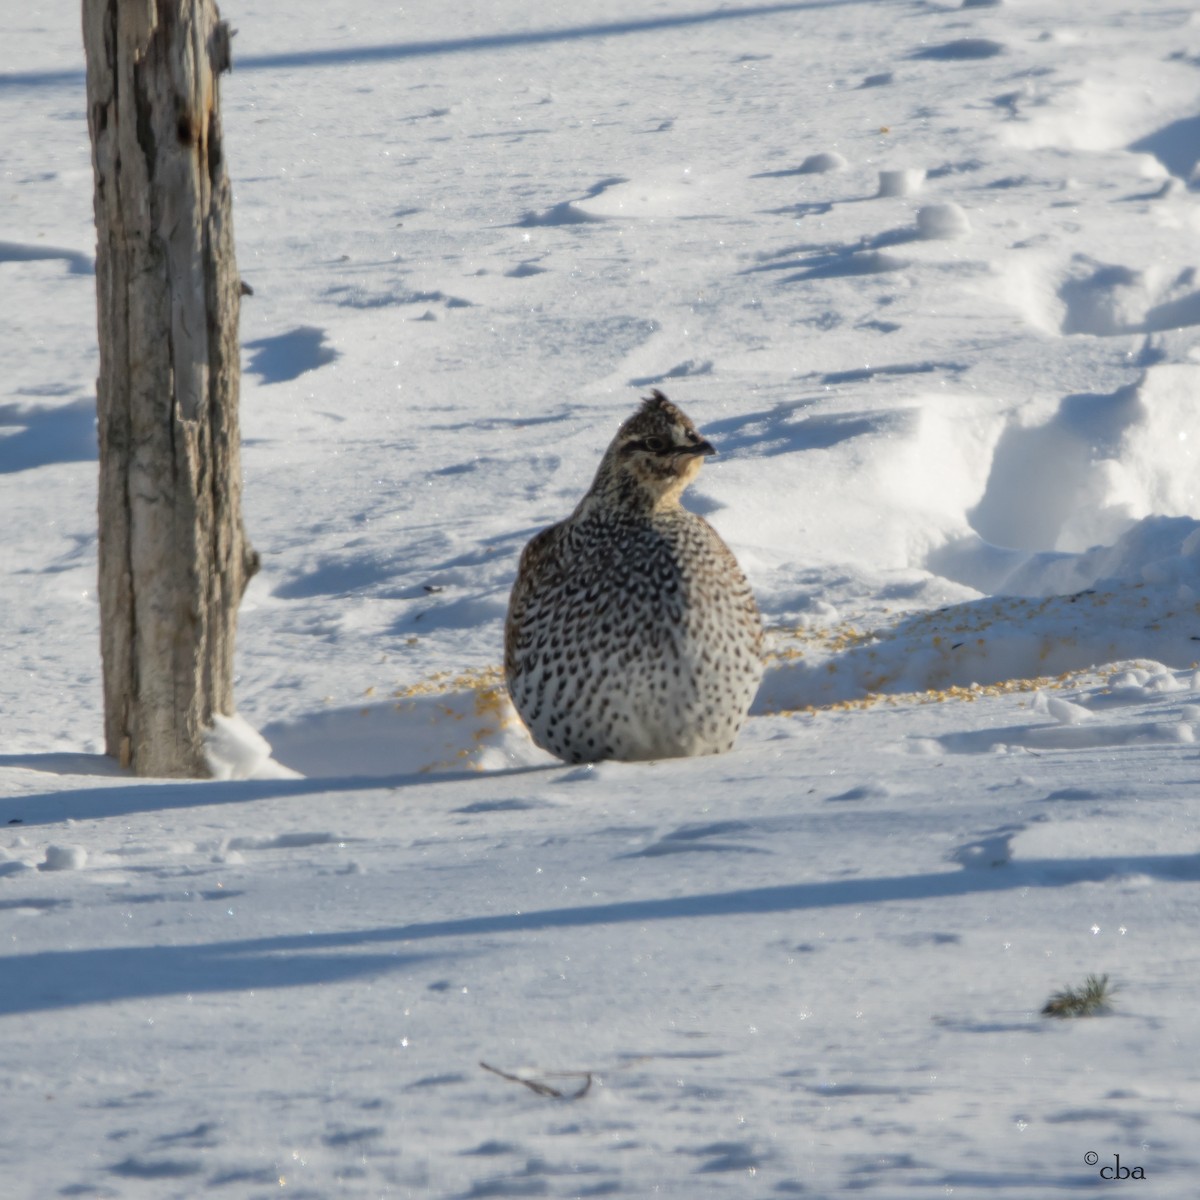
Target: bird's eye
{"x":655,"y":445}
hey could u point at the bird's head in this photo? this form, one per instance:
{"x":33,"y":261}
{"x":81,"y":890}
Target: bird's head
{"x":657,"y":452}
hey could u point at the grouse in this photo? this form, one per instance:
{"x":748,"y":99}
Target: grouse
{"x":631,"y":631}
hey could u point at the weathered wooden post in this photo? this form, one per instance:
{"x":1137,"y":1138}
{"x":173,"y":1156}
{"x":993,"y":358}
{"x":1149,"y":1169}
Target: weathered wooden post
{"x":174,"y":558}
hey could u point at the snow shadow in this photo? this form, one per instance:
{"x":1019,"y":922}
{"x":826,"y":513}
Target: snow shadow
{"x":73,"y":978}
{"x":64,"y":764}
{"x":1041,"y":475}
{"x":77,"y":264}
{"x":789,"y":427}
{"x":65,"y":979}
{"x":58,"y":434}
{"x":288,"y":355}
{"x":442,"y":582}
{"x":566,"y":213}
{"x":1029,"y":873}
{"x":351,"y":55}
{"x":1111,"y":300}
{"x":138,"y":796}
{"x":75,"y":80}
{"x":335,"y":577}
{"x":1172,"y":314}
{"x":357,"y":296}
{"x":868,"y":255}
{"x":1176,"y":146}
{"x":563,"y":213}
{"x":689,"y":369}
{"x":960,"y":50}
{"x":454,"y":612}
{"x":847,"y":263}
{"x":99,"y":803}
{"x":864,"y":374}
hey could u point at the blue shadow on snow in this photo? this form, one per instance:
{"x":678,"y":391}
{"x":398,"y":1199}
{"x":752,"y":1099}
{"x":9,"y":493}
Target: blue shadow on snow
{"x":59,"y":434}
{"x":135,"y":796}
{"x":61,"y":979}
{"x":352,"y":55}
{"x":77,"y":264}
{"x":56,"y":979}
{"x":288,"y":355}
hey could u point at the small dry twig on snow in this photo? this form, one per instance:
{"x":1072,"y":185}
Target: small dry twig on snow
{"x":544,"y":1089}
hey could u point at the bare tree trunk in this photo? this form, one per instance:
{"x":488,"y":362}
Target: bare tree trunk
{"x":174,"y":559}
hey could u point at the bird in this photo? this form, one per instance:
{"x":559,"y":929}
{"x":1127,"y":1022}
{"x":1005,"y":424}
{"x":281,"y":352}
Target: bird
{"x":631,"y":631}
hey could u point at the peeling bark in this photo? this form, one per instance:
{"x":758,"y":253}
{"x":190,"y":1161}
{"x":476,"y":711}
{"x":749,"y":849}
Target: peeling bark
{"x":174,"y":558}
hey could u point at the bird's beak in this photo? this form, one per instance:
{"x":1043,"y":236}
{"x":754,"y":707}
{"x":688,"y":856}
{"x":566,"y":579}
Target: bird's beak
{"x":700,"y":448}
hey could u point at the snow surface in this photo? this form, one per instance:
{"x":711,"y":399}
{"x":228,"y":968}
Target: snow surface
{"x":926,"y":273}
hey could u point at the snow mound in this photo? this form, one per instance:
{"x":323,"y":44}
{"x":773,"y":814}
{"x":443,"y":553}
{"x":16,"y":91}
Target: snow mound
{"x":1158,"y":551}
{"x":1000,"y":641}
{"x":233,"y":749}
{"x":462,"y":724}
{"x":64,"y":858}
{"x":935,"y":221}
{"x":822,"y":163}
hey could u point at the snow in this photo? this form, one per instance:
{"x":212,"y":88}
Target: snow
{"x":926,"y":274}
{"x":233,"y":749}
